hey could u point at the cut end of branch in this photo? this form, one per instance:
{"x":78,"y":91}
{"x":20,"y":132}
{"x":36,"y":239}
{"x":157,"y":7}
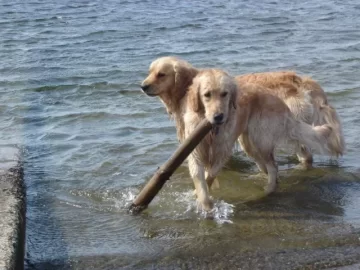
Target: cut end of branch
{"x":136,"y":209}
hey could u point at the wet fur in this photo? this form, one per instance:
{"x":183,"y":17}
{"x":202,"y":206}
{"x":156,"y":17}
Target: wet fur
{"x":213,"y":151}
{"x":306,"y":100}
{"x":172,"y":87}
{"x":304,"y":97}
{"x":263,"y":119}
{"x":260,"y":120}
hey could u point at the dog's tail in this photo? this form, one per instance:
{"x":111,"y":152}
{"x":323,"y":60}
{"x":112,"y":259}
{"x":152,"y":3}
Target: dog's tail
{"x":324,"y":113}
{"x":318,"y":139}
{"x":301,"y":107}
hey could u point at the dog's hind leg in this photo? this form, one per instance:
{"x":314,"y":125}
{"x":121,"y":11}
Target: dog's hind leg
{"x":272,"y":174}
{"x":304,"y":156}
{"x":250,"y":150}
{"x":261,"y":165}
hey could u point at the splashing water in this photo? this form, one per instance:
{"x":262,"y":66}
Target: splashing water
{"x":126,"y":198}
{"x":221,"y":212}
{"x":180,"y":205}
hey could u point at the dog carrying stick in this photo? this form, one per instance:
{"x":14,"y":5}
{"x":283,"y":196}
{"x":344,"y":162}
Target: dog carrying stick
{"x":163,"y":174}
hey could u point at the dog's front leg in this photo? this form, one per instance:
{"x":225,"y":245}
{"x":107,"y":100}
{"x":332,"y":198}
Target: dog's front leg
{"x":211,"y":181}
{"x":197,"y":173}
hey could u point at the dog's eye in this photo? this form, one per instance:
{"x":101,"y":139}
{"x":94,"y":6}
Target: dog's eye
{"x":224,"y":94}
{"x":160,"y":74}
{"x":207,"y":94}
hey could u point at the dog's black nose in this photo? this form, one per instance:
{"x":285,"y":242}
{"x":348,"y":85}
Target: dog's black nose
{"x":145,"y":87}
{"x":218,"y":118}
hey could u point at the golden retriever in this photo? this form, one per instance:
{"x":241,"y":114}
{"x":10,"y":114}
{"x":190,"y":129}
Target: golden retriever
{"x":169,"y":78}
{"x":305,"y":99}
{"x":261,"y":120}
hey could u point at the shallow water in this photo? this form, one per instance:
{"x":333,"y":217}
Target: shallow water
{"x":69,"y":83}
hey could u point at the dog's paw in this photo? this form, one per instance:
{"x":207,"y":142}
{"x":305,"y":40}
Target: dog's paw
{"x":205,"y":205}
{"x":303,"y":165}
{"x":270,"y":188}
{"x":259,"y":175}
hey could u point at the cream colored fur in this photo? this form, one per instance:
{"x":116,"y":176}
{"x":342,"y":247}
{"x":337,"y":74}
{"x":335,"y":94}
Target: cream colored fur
{"x":169,"y":79}
{"x":208,"y":158}
{"x":306,"y":100}
{"x":262,"y":119}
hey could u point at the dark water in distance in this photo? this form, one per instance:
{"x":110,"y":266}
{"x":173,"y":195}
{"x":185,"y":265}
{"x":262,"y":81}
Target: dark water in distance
{"x":69,"y":83}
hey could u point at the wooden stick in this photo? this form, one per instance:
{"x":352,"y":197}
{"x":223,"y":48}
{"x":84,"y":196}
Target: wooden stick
{"x":150,"y":190}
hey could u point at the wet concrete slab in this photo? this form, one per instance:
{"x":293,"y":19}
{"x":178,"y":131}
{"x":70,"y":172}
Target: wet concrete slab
{"x":12,"y":210}
{"x":308,"y":224}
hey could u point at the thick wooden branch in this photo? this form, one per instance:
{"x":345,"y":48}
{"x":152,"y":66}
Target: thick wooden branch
{"x":163,"y":174}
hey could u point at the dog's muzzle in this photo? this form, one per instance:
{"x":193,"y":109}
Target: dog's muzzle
{"x":146,"y":89}
{"x":218,"y":118}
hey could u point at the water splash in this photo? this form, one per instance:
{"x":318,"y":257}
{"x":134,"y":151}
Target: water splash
{"x":180,"y":205}
{"x":221,"y":212}
{"x":126,"y":198}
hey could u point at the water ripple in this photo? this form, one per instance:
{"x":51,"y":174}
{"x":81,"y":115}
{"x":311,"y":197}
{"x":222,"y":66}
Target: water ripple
{"x":70,"y":75}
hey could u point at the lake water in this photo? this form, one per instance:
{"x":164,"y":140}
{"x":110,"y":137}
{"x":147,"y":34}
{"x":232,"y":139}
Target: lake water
{"x":70,"y":100}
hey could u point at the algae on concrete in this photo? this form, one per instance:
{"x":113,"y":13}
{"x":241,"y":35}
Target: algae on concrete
{"x":12,"y":210}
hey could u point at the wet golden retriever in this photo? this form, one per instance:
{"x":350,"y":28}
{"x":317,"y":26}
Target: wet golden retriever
{"x":306,"y":100}
{"x":170,"y":77}
{"x":261,"y":121}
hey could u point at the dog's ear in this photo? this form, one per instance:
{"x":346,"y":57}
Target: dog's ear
{"x":194,"y":99}
{"x":233,"y":95}
{"x":184,"y":74}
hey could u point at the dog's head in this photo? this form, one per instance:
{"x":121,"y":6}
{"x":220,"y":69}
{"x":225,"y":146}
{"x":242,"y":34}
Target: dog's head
{"x":214,"y":93}
{"x":168,"y":77}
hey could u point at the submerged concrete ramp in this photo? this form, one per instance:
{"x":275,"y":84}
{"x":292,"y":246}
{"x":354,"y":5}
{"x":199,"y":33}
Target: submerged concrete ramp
{"x":12,"y":210}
